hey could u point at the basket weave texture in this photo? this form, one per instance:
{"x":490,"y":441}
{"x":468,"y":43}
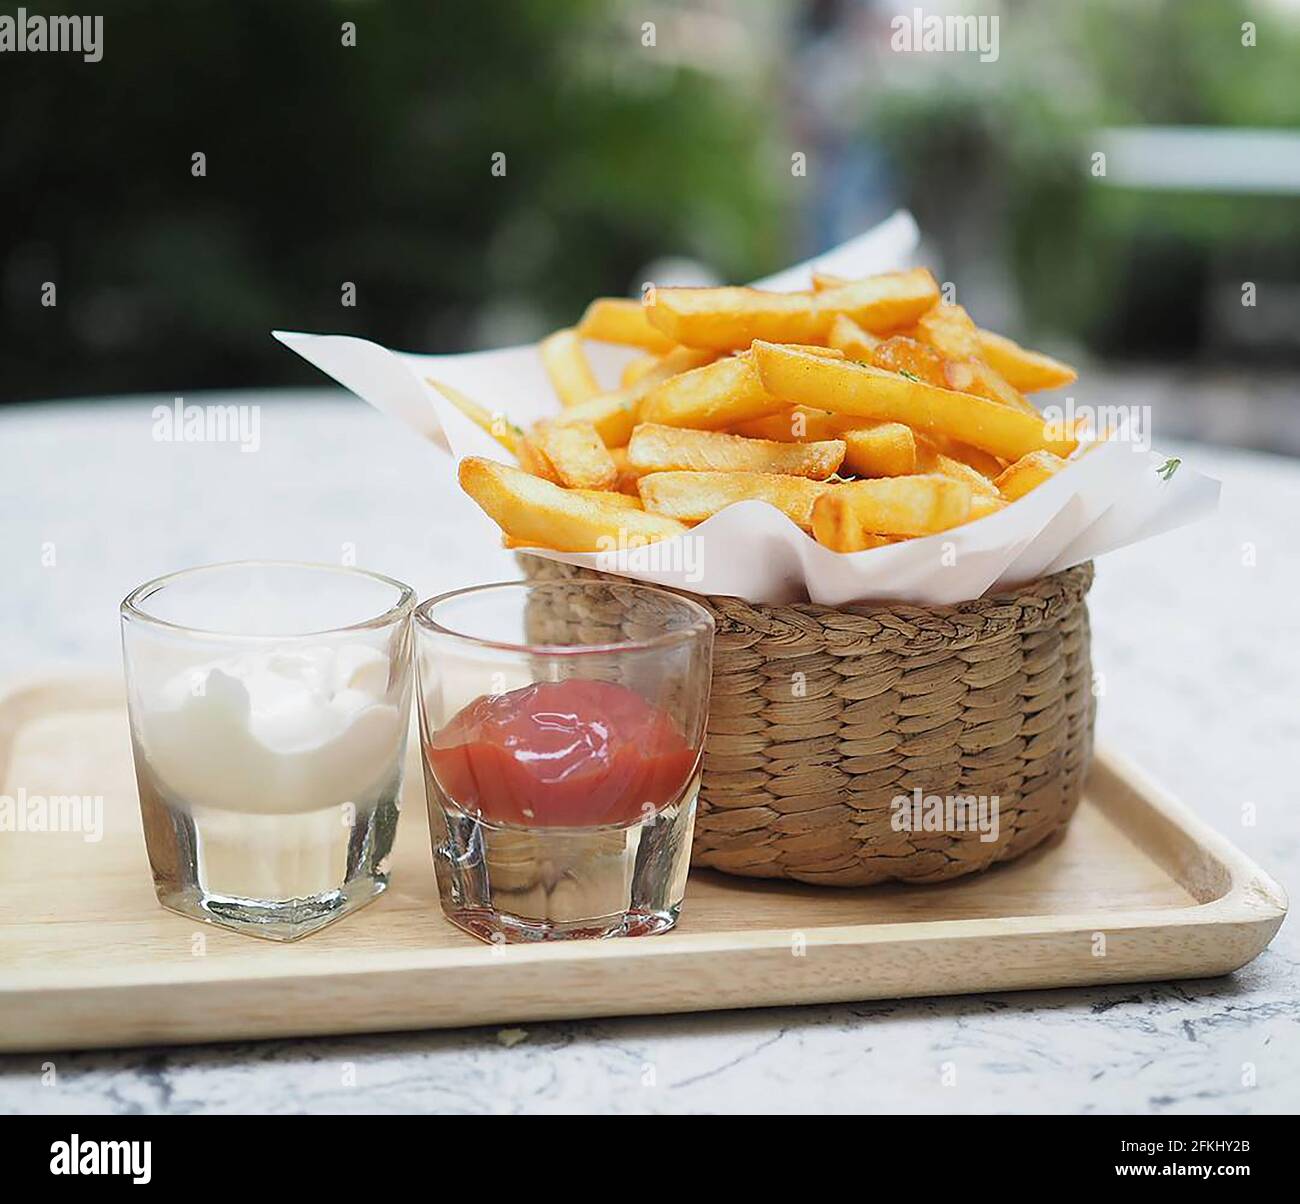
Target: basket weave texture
{"x":820,"y":717}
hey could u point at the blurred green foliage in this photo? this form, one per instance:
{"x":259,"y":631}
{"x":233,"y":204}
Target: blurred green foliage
{"x":372,"y":165}
{"x":328,"y":163}
{"x":1123,"y":269}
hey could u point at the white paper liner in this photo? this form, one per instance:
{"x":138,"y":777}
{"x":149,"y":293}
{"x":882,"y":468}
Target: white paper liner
{"x":1109,"y":496}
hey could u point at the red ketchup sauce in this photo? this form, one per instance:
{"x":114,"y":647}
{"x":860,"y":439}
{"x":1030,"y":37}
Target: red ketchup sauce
{"x":566,"y":754}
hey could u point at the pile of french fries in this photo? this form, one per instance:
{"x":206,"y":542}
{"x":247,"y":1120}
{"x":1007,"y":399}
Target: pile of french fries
{"x":868,"y":411}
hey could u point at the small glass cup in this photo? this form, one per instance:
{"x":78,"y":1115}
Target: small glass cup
{"x":562,"y":725}
{"x":269,"y":706}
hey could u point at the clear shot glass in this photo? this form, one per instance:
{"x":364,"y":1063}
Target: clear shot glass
{"x":562,"y":725}
{"x":269,"y":706}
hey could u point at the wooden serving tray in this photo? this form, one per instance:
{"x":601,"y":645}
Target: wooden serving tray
{"x":1136,"y":889}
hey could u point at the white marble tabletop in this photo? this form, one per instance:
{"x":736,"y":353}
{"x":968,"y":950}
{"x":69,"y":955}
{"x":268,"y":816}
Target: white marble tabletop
{"x":1197,"y":633}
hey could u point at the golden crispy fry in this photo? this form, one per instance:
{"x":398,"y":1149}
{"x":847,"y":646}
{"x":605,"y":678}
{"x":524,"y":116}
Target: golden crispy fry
{"x":950,"y":331}
{"x":981,"y":461}
{"x":627,"y":475}
{"x":919,"y":505}
{"x":930,"y":459}
{"x":635,"y":369}
{"x":668,"y":365}
{"x":975,"y":376}
{"x":797,"y":424}
{"x":538,"y":513}
{"x":694,"y":496}
{"x":720,"y":394}
{"x":534,"y":460}
{"x":620,"y":320}
{"x":983,"y":504}
{"x":567,"y":368}
{"x":666,"y":448}
{"x":847,"y":336}
{"x":907,"y":357}
{"x":882,"y":449}
{"x":622,"y":501}
{"x":1025,"y":370}
{"x":577,"y":455}
{"x":726,"y":391}
{"x":747,"y":395}
{"x":728,"y":319}
{"x":836,"y":525}
{"x":498,"y":426}
{"x":822,"y":281}
{"x":849,"y":388}
{"x":1027,"y":473}
{"x":942,"y":349}
{"x":613,"y":416}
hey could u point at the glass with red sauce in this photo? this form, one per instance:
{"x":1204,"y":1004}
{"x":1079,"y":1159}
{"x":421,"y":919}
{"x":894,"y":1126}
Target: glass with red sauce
{"x":561,"y":725}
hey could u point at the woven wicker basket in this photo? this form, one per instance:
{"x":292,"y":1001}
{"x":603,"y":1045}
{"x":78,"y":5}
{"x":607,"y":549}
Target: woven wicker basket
{"x":820,"y":717}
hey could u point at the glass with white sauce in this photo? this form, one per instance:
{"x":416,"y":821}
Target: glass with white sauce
{"x":269,"y":708}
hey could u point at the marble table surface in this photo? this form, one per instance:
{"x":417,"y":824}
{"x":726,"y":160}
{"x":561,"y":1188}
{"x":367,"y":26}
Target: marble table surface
{"x":1197,"y":634}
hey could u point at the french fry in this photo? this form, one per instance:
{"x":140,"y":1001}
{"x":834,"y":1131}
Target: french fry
{"x":930,"y":459}
{"x":635,"y":369}
{"x":567,"y":368}
{"x":1025,"y":370}
{"x":883,"y":449}
{"x":620,"y":320}
{"x":729,"y":319}
{"x":908,"y":357}
{"x":694,"y":496}
{"x":981,"y":461}
{"x":498,"y":426}
{"x":622,"y":501}
{"x":742,"y":395}
{"x":847,"y":336}
{"x":823,"y":281}
{"x":975,"y":376}
{"x":1027,"y":473}
{"x":982,"y":505}
{"x":850,"y":388}
{"x":657,"y":448}
{"x":950,"y":331}
{"x":717,"y":395}
{"x":668,"y":365}
{"x":797,"y":424}
{"x":533,"y":459}
{"x":538,"y":513}
{"x":627,"y":475}
{"x":613,"y":415}
{"x":836,"y":525}
{"x":720,"y":394}
{"x":577,"y":455}
{"x":920,"y":505}
{"x":951,"y":340}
